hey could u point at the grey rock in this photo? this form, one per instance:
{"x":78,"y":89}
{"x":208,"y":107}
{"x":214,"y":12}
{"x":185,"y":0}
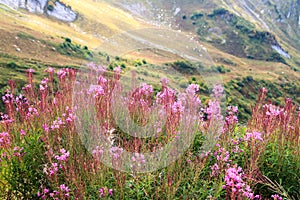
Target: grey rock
{"x":60,"y":10}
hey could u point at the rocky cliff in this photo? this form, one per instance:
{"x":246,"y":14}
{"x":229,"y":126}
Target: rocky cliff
{"x":57,"y":10}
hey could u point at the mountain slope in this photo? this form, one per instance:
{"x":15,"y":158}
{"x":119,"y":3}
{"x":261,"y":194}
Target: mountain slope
{"x":274,"y":23}
{"x":223,"y":36}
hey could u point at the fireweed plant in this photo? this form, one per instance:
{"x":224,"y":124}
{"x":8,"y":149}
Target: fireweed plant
{"x":42,"y":155}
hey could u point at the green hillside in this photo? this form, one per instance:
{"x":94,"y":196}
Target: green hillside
{"x":235,"y":44}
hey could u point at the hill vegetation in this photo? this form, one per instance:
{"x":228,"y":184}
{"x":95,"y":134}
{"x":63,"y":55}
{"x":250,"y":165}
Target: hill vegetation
{"x":243,"y":138}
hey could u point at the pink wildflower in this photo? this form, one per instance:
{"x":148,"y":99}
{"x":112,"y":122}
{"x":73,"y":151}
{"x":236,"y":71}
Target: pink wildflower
{"x":110,"y":192}
{"x":4,"y":139}
{"x":101,"y":192}
{"x":254,"y":135}
{"x":23,"y":133}
{"x":116,"y":152}
{"x":64,"y":155}
{"x":276,"y":197}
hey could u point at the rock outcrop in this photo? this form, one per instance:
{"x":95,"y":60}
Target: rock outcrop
{"x":62,"y":12}
{"x":58,"y":10}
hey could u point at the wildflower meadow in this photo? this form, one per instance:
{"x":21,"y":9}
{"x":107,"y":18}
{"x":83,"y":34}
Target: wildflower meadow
{"x":63,"y":138}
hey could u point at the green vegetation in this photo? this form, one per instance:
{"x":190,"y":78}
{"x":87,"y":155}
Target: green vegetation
{"x":196,"y":16}
{"x":50,"y":8}
{"x":43,"y":155}
{"x":235,"y":35}
{"x":76,"y":50}
{"x":263,"y":141}
{"x":25,"y":36}
{"x":222,"y":69}
{"x":184,"y":67}
{"x":243,"y":92}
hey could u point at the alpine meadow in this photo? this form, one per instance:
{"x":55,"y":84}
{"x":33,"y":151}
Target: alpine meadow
{"x":156,"y":99}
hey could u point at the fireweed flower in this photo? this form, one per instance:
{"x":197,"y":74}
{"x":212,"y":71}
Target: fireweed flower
{"x":218,"y":91}
{"x":69,"y":116}
{"x":31,"y":112}
{"x":192,"y":89}
{"x":4,"y":139}
{"x":18,"y":151}
{"x":99,"y":68}
{"x":167,"y":95}
{"x":102,"y":81}
{"x":254,"y":135}
{"x":146,"y":89}
{"x":44,"y":81}
{"x":118,"y":69}
{"x":64,"y":189}
{"x":49,"y":70}
{"x":21,"y":100}
{"x":43,"y":87}
{"x":272,"y":110}
{"x":276,"y":197}
{"x":97,"y":91}
{"x":234,"y":109}
{"x":231,"y":115}
{"x":177,"y":107}
{"x":215,"y":170}
{"x":101,"y":192}
{"x":190,"y":99}
{"x":137,"y":160}
{"x":116,"y":152}
{"x":164,"y":82}
{"x":59,"y":164}
{"x":43,"y":193}
{"x":213,"y":110}
{"x":56,"y":124}
{"x":54,"y":101}
{"x":64,"y":155}
{"x":98,"y":152}
{"x":30,"y":70}
{"x":110,"y":192}
{"x":235,"y":184}
{"x":46,"y":128}
{"x":22,"y":132}
{"x":223,"y":160}
{"x":8,"y":98}
{"x":6,"y":119}
{"x":46,"y":193}
{"x":26,"y":87}
{"x":62,"y":73}
{"x":45,"y":190}
{"x":53,"y":169}
{"x":178,"y":135}
{"x":139,"y":103}
{"x":3,"y":155}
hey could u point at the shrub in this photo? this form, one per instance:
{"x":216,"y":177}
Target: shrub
{"x":70,"y":49}
{"x":218,"y":11}
{"x":12,"y":65}
{"x":196,"y":16}
{"x":50,"y":8}
{"x":184,"y":67}
{"x":68,"y":40}
{"x":222,"y":69}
